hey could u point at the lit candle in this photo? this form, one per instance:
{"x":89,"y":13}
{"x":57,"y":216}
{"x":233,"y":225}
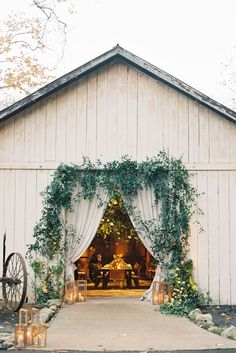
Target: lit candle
{"x":35,"y":341}
{"x":166,"y":299}
{"x":160,"y":299}
{"x":155,"y":299}
{"x":20,"y":340}
{"x":28,"y":336}
{"x":71,"y":299}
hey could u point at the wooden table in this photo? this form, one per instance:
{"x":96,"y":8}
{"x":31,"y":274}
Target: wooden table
{"x":105,"y":276}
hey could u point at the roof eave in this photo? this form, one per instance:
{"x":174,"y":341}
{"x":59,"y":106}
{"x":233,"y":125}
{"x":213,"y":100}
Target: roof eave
{"x":108,"y":57}
{"x":177,"y":84}
{"x":58,"y":84}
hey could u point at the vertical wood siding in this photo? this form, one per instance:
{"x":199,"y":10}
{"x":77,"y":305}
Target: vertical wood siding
{"x":115,"y":111}
{"x":120,"y":111}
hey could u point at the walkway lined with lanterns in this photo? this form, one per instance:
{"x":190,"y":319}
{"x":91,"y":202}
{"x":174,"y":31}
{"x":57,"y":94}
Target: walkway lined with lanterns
{"x":109,"y":323}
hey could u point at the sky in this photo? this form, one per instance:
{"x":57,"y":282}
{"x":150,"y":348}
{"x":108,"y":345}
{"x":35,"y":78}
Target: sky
{"x":193,"y":40}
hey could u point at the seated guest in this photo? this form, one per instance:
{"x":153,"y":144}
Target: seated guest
{"x":82,"y":270}
{"x":96,"y":275}
{"x":92,"y":260}
{"x":136,"y":274}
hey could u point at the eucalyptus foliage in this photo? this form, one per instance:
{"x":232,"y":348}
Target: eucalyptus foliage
{"x":167,"y":176}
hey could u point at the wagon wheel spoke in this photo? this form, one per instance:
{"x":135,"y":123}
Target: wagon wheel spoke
{"x":10,"y":269}
{"x":14,"y":290}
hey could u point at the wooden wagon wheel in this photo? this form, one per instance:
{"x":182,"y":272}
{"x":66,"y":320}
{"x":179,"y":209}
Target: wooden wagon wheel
{"x":14,"y":285}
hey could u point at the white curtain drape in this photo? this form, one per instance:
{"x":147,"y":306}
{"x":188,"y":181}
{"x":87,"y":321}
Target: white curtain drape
{"x":85,"y":218}
{"x":144,"y":205}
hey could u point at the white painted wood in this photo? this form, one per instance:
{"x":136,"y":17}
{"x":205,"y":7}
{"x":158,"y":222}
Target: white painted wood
{"x":224,"y":141}
{"x":81,"y":125}
{"x":232,"y":257}
{"x":202,"y":239}
{"x":102,"y":114}
{"x":142,"y":117}
{"x":111,"y":137}
{"x":152,"y":119}
{"x":51,"y":121}
{"x":19,"y":138}
{"x":91,"y":131}
{"x":214,"y":124}
{"x":48,"y":133}
{"x":41,"y":183}
{"x":213,"y":229}
{"x":132,"y":111}
{"x":9,"y":140}
{"x":61,"y":126}
{"x":71,"y":124}
{"x":19,"y":224}
{"x":53,"y":166}
{"x":183,"y":138}
{"x":2,"y":141}
{"x":224,"y":238}
{"x":29,"y":133}
{"x":159,"y":91}
{"x":9,"y":209}
{"x":40,"y":131}
{"x":30,"y":204}
{"x":193,"y":240}
{"x":166,"y":118}
{"x":204,"y":147}
{"x":122,"y":110}
{"x":173,"y":104}
{"x":2,"y":217}
{"x":119,"y":110}
{"x":193,"y":131}
{"x":232,"y":145}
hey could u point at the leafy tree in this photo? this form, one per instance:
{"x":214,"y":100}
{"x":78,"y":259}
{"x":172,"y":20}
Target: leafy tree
{"x":116,"y":223}
{"x":25,"y":45}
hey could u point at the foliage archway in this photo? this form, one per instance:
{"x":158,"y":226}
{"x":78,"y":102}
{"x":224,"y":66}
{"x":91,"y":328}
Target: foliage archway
{"x":170,"y":181}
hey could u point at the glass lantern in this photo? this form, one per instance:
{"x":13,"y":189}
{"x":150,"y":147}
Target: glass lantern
{"x":81,"y":291}
{"x":27,"y":317}
{"x":70,"y":292}
{"x":155,"y":288}
{"x":39,"y":335}
{"x":35,"y":316}
{"x":161,"y":292}
{"x":20,"y":336}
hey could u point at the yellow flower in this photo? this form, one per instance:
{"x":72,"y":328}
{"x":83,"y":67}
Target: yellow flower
{"x":45,"y":289}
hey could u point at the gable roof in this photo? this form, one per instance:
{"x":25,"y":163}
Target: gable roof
{"x":117,"y":53}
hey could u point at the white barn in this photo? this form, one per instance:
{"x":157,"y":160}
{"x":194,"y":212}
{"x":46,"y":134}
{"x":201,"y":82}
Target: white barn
{"x":118,"y":104}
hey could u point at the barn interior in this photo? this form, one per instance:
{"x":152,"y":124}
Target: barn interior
{"x":116,"y":259}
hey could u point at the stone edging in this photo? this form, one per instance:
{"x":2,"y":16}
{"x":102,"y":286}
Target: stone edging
{"x":206,"y":321}
{"x":46,"y":315}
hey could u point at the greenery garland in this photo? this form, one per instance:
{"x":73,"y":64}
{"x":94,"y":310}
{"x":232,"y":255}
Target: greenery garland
{"x":170,"y":181}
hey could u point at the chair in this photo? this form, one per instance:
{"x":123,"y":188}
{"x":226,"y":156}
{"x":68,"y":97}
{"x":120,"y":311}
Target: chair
{"x":135,"y":275}
{"x":117,"y":276}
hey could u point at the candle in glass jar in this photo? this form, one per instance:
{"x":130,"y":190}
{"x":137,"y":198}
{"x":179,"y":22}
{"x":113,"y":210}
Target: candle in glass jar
{"x":20,"y":340}
{"x":81,"y":297}
{"x":166,"y":299}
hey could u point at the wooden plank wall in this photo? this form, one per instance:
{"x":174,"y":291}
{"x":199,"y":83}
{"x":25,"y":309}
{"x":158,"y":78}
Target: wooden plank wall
{"x":112,"y":112}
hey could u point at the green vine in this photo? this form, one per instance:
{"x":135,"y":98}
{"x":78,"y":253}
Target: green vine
{"x":171,"y":185}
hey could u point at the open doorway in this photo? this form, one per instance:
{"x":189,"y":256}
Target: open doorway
{"x":116,"y":259}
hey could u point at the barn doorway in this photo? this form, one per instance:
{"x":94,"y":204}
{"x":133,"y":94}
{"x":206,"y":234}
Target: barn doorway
{"x":116,"y":262}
